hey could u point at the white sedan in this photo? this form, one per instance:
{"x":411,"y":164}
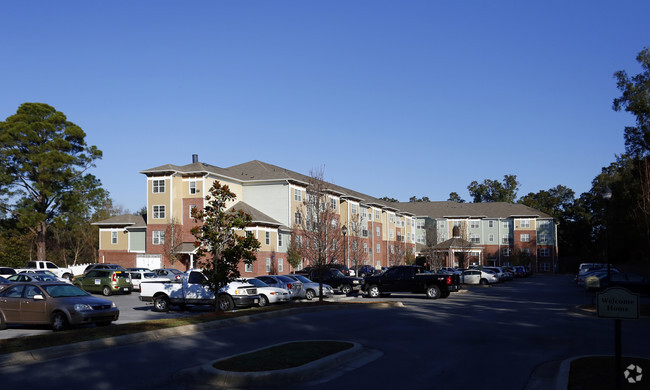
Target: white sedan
{"x":269,"y":294}
{"x":477,"y":276}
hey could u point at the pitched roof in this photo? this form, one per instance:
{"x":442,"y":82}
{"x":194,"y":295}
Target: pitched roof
{"x":257,"y":216}
{"x":450,"y":209}
{"x":126,"y":220}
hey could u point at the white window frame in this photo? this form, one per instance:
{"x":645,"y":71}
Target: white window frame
{"x":474,"y":224}
{"x":158,"y":237}
{"x":524,"y":237}
{"x":280,"y":265}
{"x":158,"y":211}
{"x":248,"y":268}
{"x":524,"y":223}
{"x":297,"y":195}
{"x":268,"y":264}
{"x":192,"y":185}
{"x":267,"y":238}
{"x":158,"y":186}
{"x":114,"y":237}
{"x":279,"y":239}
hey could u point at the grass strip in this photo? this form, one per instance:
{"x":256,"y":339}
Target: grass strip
{"x":284,"y":356}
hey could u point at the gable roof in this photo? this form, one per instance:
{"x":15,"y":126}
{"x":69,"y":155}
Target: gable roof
{"x":450,"y":209}
{"x":258,"y":217}
{"x":126,"y":220}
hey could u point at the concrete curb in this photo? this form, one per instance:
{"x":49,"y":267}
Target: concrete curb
{"x":206,"y":374}
{"x":162,"y":334}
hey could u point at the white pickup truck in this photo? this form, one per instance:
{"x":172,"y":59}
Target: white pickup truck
{"x":189,"y":290}
{"x":47,"y":266}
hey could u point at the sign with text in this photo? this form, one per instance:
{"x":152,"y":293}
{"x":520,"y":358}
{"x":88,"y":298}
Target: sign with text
{"x":617,"y":302}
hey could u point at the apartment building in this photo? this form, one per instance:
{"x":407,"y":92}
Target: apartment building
{"x":378,"y":233}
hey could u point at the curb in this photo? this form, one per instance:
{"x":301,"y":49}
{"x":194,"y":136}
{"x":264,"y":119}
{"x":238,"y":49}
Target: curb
{"x":206,"y":374}
{"x":42,"y":354}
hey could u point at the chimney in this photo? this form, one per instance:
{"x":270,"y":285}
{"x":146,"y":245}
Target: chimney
{"x":195,"y":158}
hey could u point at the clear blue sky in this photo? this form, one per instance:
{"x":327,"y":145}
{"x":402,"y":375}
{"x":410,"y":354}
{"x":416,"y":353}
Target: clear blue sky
{"x":392,"y":98}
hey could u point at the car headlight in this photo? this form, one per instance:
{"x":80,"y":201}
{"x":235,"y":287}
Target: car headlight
{"x":113,"y":304}
{"x":83,"y":307}
{"x":355,"y":282}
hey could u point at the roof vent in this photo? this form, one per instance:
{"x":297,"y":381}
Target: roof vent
{"x":195,"y":158}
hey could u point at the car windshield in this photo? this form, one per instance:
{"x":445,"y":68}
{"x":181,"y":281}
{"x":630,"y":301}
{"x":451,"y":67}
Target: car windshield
{"x":285,"y":279}
{"x":45,"y":278}
{"x":256,"y":283}
{"x":336,"y":273}
{"x":302,"y":279}
{"x":64,"y":290}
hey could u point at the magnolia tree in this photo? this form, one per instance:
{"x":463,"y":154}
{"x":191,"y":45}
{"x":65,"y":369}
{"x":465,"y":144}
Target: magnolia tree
{"x":222,"y":240}
{"x":318,"y":227}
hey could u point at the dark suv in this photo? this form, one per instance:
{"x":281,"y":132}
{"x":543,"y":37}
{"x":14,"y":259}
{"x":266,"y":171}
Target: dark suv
{"x":334,"y":277}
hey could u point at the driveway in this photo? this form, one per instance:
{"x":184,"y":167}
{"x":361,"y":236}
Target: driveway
{"x":486,"y":338}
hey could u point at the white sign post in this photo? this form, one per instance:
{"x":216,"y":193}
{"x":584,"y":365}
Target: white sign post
{"x":618,"y":303}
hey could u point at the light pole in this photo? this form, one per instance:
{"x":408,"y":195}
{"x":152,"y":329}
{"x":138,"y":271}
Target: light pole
{"x":344,"y":230}
{"x":607,"y":195}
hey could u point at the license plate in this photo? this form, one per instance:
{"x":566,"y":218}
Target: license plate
{"x":126,"y":289}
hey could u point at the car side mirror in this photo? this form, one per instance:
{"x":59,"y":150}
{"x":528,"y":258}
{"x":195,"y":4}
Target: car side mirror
{"x":38,"y":297}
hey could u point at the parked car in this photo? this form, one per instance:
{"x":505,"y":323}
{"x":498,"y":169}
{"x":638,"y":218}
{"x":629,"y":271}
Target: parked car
{"x":294,"y":287}
{"x":365,"y":271}
{"x":334,"y":277}
{"x":105,"y":281}
{"x":411,"y":279}
{"x":138,"y":269}
{"x":138,"y":276}
{"x":269,"y":294}
{"x":190,"y":289}
{"x":7,"y":271}
{"x":498,"y":271}
{"x":169,"y":273}
{"x":91,"y":267}
{"x":311,"y":289}
{"x":36,"y":278}
{"x":4,"y":282}
{"x":633,"y":282}
{"x":451,"y":270}
{"x":477,"y":276}
{"x":57,"y":304}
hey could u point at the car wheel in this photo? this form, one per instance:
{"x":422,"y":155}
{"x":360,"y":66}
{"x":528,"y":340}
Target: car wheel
{"x":161,"y":303}
{"x":433,"y":292}
{"x":373,"y":291}
{"x":310,"y":294}
{"x":263,"y":300}
{"x":346,"y":289}
{"x":226,"y":303}
{"x":483,"y":281}
{"x":106,"y":291}
{"x":3,"y":323}
{"x":59,"y":321}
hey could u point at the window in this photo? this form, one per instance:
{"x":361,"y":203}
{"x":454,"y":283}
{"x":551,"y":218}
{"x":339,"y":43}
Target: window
{"x":524,"y":223}
{"x":333,"y":203}
{"x":490,"y":223}
{"x":491,"y":237}
{"x":364,"y":231}
{"x":525,"y":251}
{"x":378,"y":249}
{"x":158,"y":186}
{"x":474,"y":238}
{"x":544,"y":266}
{"x":544,"y":223}
{"x":192,"y":207}
{"x":442,"y":225}
{"x":506,"y":224}
{"x":113,"y":237}
{"x":297,"y":195}
{"x":377,"y":231}
{"x":279,"y":239}
{"x":158,"y":237}
{"x":249,"y":268}
{"x":268,"y":264}
{"x":365,"y":247}
{"x":544,"y":252}
{"x":392,"y":233}
{"x":505,"y":239}
{"x":377,"y":215}
{"x":159,"y":212}
{"x":364,"y":212}
{"x":474,"y":224}
{"x":524,"y":237}
{"x":267,"y":238}
{"x":457,"y":224}
{"x":391,"y":217}
{"x":192,"y":187}
{"x":507,"y":252}
{"x":544,"y":238}
{"x":280,"y":265}
{"x":297,"y":218}
{"x":353,"y":208}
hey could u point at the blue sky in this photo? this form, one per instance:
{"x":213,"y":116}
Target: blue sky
{"x":391,"y":98}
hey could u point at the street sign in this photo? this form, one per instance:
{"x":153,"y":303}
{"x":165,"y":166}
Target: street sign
{"x":618,"y":302}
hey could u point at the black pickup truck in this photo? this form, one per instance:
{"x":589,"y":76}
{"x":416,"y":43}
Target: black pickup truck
{"x":413,"y":279}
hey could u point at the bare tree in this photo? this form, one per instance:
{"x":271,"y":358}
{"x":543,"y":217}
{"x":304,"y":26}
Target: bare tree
{"x":435,"y":259}
{"x":355,"y":241}
{"x":319,"y":225}
{"x":172,"y":241}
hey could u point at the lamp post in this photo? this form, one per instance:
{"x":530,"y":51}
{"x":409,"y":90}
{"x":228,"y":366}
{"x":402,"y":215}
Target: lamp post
{"x":344,"y":230}
{"x":607,"y":195}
